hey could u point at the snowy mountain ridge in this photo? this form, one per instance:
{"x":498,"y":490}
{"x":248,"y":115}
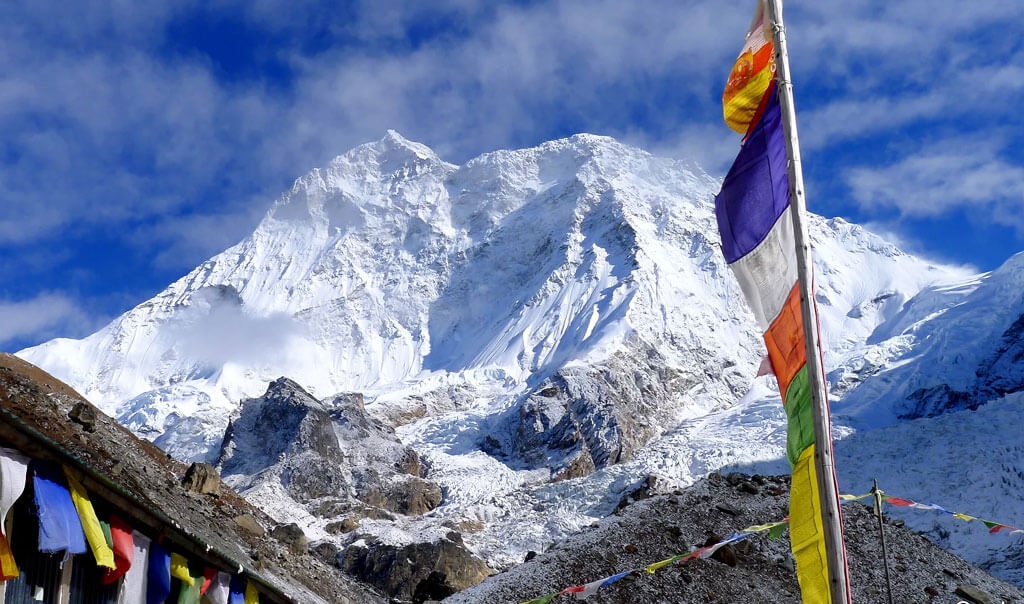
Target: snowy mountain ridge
{"x":562,"y":311}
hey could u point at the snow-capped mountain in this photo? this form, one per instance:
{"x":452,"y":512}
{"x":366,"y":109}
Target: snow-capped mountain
{"x":561,"y":312}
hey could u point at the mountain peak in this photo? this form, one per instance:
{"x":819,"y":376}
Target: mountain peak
{"x":393,"y":155}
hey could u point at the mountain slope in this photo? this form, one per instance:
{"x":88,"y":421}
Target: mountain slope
{"x":555,"y":313}
{"x":392,"y":272}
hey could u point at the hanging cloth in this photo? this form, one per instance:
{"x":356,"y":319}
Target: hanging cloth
{"x":60,"y":528}
{"x":190,"y":590}
{"x":13,"y":471}
{"x":179,"y":569}
{"x":252,"y":595}
{"x":122,"y":543}
{"x":159,"y":575}
{"x":90,"y":523}
{"x":220,"y":589}
{"x":133,"y":589}
{"x":237,"y":590}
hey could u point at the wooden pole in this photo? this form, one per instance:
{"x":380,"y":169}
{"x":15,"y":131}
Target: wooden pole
{"x":828,"y":490}
{"x":877,"y":495}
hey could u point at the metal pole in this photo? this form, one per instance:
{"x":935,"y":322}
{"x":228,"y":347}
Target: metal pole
{"x":828,"y":490}
{"x":881,"y":535}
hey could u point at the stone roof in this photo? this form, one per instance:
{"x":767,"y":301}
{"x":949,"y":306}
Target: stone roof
{"x":48,"y":420}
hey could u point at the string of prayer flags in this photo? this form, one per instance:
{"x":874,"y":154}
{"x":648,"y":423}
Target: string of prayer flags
{"x":992,"y":526}
{"x":774,"y":530}
{"x":582,"y":592}
{"x":754,"y":220}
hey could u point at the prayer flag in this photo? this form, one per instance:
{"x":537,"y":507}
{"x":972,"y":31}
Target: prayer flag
{"x":158,"y":577}
{"x":122,"y":543}
{"x":237,"y":593}
{"x":219,"y":589}
{"x":133,"y":589}
{"x":90,"y":523}
{"x":13,"y":473}
{"x":191,"y":592}
{"x":751,"y":75}
{"x":252,"y":595}
{"x":753,"y":211}
{"x":60,"y":528}
{"x":179,"y":569}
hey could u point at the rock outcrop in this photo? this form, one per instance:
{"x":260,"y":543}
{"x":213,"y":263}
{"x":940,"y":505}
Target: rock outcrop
{"x":328,"y":455}
{"x":414,"y":571}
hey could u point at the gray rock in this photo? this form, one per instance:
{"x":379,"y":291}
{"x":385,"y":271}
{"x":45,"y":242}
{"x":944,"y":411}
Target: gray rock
{"x":84,"y":415}
{"x":201,"y":477}
{"x":292,"y":537}
{"x":330,"y":455}
{"x":975,"y":595}
{"x":416,"y":570}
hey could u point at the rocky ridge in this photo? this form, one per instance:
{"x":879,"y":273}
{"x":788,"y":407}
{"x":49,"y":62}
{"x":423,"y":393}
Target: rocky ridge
{"x":758,"y":569}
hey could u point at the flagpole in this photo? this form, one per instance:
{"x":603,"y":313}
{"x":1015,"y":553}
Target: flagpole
{"x":827,"y":488}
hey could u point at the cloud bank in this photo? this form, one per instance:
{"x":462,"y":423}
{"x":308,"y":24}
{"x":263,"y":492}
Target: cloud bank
{"x":139,"y":139}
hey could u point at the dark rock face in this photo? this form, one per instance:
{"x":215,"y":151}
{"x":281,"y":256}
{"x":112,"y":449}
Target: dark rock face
{"x":584,"y":419}
{"x":289,"y":427}
{"x":1003,"y":372}
{"x":84,"y":415}
{"x":999,"y":374}
{"x":930,"y":402}
{"x":417,"y":570}
{"x":292,"y":537}
{"x":331,"y":455}
{"x":410,"y":495}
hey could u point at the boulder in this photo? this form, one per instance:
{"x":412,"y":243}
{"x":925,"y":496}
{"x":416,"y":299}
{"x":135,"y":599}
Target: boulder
{"x":414,"y":570}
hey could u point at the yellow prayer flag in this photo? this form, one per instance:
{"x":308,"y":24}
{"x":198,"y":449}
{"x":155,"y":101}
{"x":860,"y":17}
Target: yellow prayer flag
{"x":751,"y":75}
{"x":252,"y":595}
{"x":806,"y":533}
{"x":179,"y":569}
{"x":90,"y":523}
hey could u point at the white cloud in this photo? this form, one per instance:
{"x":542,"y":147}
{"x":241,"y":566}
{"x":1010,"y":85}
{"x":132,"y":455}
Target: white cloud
{"x":44,"y":316}
{"x":959,"y":174}
{"x":104,"y":128}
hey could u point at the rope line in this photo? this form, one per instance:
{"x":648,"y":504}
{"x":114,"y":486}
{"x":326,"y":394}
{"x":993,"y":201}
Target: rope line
{"x":774,"y":530}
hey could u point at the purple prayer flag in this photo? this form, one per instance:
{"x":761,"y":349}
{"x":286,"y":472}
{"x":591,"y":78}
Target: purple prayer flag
{"x":756,"y":189}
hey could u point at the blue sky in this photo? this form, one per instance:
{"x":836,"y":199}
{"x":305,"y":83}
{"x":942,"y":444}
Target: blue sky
{"x":139,"y":139}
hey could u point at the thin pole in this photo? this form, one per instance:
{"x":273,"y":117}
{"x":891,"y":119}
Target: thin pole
{"x":881,"y":535}
{"x":828,"y":490}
